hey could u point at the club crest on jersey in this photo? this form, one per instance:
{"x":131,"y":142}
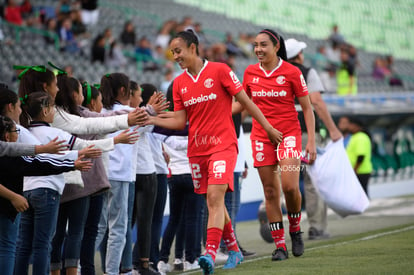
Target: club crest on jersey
{"x":260,"y":156}
{"x":255,"y":80}
{"x":196,"y":184}
{"x":209,"y":83}
{"x":289,"y":141}
{"x":281,"y":79}
{"x":184,"y":90}
{"x":219,"y":167}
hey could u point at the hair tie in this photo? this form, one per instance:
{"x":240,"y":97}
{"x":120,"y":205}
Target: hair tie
{"x":97,"y":86}
{"x":59,"y":71}
{"x":38,"y":68}
{"x":23,"y":99}
{"x":108,"y":75}
{"x":271,"y":34}
{"x":88,"y":92}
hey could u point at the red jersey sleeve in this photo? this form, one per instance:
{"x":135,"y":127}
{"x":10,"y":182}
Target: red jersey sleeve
{"x":178,"y":102}
{"x":245,"y":81}
{"x":229,"y":80}
{"x":299,"y":84}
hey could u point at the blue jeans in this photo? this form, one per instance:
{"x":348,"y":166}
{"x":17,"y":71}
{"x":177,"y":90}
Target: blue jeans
{"x":74,"y":214}
{"x":8,"y":238}
{"x":158,"y":216}
{"x":185,"y":207}
{"x":126,"y":261}
{"x":87,"y":256}
{"x":37,"y":227}
{"x":114,"y":218}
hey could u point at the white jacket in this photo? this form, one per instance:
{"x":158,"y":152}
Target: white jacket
{"x":45,"y":133}
{"x":91,"y":125}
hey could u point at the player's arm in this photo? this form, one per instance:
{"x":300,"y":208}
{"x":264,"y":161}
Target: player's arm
{"x":236,"y":107}
{"x":323,"y":113}
{"x":171,"y":120}
{"x":274,"y":135}
{"x":310,"y":126}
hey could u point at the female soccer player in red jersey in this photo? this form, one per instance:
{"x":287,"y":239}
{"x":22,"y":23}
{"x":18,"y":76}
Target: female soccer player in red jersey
{"x":273,"y":84}
{"x":203,"y":94}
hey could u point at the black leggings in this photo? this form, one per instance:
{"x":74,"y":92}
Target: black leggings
{"x":145,"y":196}
{"x":363,"y":179}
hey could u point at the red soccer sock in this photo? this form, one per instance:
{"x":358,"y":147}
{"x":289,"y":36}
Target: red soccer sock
{"x":278,"y":234}
{"x":294,"y":221}
{"x":229,"y":237}
{"x":213,"y":241}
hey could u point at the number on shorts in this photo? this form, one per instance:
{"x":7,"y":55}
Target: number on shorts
{"x":259,"y":145}
{"x":195,"y":169}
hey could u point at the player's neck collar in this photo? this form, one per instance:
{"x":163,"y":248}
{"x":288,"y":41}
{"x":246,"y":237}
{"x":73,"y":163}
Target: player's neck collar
{"x":272,"y":71}
{"x":205,"y":62}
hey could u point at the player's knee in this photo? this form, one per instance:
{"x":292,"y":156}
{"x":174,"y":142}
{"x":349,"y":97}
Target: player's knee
{"x":270,"y":193}
{"x":291,"y":190}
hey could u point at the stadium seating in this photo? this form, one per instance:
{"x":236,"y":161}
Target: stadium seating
{"x":308,"y":21}
{"x":385,"y":27}
{"x":373,"y":26}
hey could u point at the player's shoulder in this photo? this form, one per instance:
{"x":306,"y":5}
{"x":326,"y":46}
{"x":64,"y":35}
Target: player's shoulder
{"x":181,"y":79}
{"x":180,"y":76}
{"x":290,"y":68}
{"x":253,"y":67}
{"x":217,"y":66}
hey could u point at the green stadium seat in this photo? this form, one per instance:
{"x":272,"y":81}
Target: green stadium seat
{"x":363,"y":23}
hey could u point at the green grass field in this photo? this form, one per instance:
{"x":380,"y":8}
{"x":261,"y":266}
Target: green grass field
{"x":385,"y":251}
{"x":379,"y":241}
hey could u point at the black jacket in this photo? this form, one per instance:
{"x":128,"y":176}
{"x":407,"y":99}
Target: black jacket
{"x":13,"y":169}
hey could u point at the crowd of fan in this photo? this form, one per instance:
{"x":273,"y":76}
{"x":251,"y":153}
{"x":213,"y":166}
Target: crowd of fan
{"x":72,"y":21}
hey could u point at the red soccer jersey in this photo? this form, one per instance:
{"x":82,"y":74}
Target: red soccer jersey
{"x":207,"y":99}
{"x":274,"y":93}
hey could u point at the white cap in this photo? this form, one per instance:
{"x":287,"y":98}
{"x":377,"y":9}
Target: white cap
{"x":294,"y":47}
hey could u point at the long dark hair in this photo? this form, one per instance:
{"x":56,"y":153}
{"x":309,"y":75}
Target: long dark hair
{"x":133,"y":86}
{"x":147,"y":91}
{"x":33,"y":106}
{"x":33,"y":81}
{"x":277,"y":38}
{"x":170,"y":97}
{"x":189,"y":37}
{"x":64,"y":98}
{"x":89,"y":92}
{"x":110,"y":86}
{"x":6,"y":125}
{"x":7,"y":96}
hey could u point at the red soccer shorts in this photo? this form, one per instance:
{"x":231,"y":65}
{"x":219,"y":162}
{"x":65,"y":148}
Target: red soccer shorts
{"x":266,"y":153}
{"x":217,"y":168}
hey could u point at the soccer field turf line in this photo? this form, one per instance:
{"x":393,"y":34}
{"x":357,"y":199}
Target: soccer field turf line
{"x":387,"y":232}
